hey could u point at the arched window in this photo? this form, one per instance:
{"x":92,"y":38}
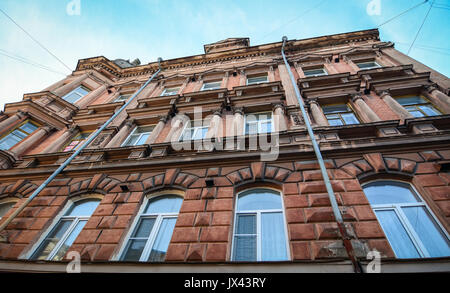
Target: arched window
{"x":58,"y":241}
{"x":408,"y":223}
{"x":259,"y":227}
{"x":153,"y":230}
{"x":5,"y":207}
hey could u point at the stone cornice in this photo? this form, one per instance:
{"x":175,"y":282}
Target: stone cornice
{"x":37,"y":112}
{"x":50,"y":96}
{"x":228,"y":55}
{"x":124,"y":158}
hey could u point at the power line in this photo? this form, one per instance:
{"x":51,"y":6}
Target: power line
{"x":418,"y":32}
{"x":419,"y":47}
{"x":27,"y":61}
{"x":442,"y":7}
{"x":42,"y":46}
{"x":406,"y":11}
{"x":426,"y":46}
{"x":292,"y":20}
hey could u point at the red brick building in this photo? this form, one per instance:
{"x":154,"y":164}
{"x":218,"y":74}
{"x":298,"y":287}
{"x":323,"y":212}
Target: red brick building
{"x":149,"y":195}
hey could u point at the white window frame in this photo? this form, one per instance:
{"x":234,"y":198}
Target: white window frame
{"x":55,"y":222}
{"x":272,"y":123}
{"x":155,"y":229}
{"x":259,"y":82}
{"x":211,"y":89}
{"x":64,"y":237}
{"x":258,"y":223}
{"x":368,"y":68}
{"x":75,"y":91}
{"x":165,"y":94}
{"x":397,"y":208}
{"x":325,"y":72}
{"x":193,"y":125}
{"x":140,"y":136}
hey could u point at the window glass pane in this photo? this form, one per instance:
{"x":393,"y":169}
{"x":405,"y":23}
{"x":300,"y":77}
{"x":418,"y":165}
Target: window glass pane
{"x":143,"y":129}
{"x":81,"y":90}
{"x":211,"y":85}
{"x":76,"y":94}
{"x":142,"y":139}
{"x":170,"y":91}
{"x":335,"y":122}
{"x":389,"y":192}
{"x":245,"y":224}
{"x":166,"y":204}
{"x":413,"y":100}
{"x":396,"y":234}
{"x":200,"y":133}
{"x":4,"y":208}
{"x":122,"y":98}
{"x":251,"y":128}
{"x":134,"y":250}
{"x":83,"y":208}
{"x":132,"y":140}
{"x":28,"y":127}
{"x":429,"y":110}
{"x":144,"y":228}
{"x":72,"y":97}
{"x":266,"y":127}
{"x":244,"y":248}
{"x":10,"y":140}
{"x":162,"y":241}
{"x":264,"y":116}
{"x":431,"y":235}
{"x":187,"y":134}
{"x":367,"y":65}
{"x":415,"y":112}
{"x":259,"y":199}
{"x":335,"y":108}
{"x":69,"y":240}
{"x":273,"y":239}
{"x":314,"y":72}
{"x":256,"y":79}
{"x":204,"y":131}
{"x":19,"y":134}
{"x":350,"y":118}
{"x":79,"y":144}
{"x":77,"y":141}
{"x":52,"y":239}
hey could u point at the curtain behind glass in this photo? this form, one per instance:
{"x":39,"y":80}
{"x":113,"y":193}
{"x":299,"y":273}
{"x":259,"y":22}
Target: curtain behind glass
{"x":273,"y":240}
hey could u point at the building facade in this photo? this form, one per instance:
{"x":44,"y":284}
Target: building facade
{"x":210,"y":168}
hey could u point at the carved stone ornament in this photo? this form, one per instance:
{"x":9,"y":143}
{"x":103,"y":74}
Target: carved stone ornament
{"x":297,"y":118}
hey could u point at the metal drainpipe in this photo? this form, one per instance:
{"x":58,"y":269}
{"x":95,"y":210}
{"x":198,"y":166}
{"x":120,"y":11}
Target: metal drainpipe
{"x":84,"y":145}
{"x":337,"y":213}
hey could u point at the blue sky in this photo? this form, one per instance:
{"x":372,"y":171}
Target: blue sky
{"x":146,"y":29}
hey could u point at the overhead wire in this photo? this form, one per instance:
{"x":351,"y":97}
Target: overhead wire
{"x":404,"y":12}
{"x":421,"y":26}
{"x":292,"y":20}
{"x":34,"y":39}
{"x":28,"y":61}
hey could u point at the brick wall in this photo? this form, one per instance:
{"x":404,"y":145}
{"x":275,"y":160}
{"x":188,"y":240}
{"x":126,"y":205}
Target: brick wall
{"x":204,"y":227}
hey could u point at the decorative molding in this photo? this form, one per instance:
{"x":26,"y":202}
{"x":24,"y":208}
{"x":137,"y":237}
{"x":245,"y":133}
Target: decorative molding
{"x":130,"y":122}
{"x":355,"y":97}
{"x":383,"y":93}
{"x":238,"y":110}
